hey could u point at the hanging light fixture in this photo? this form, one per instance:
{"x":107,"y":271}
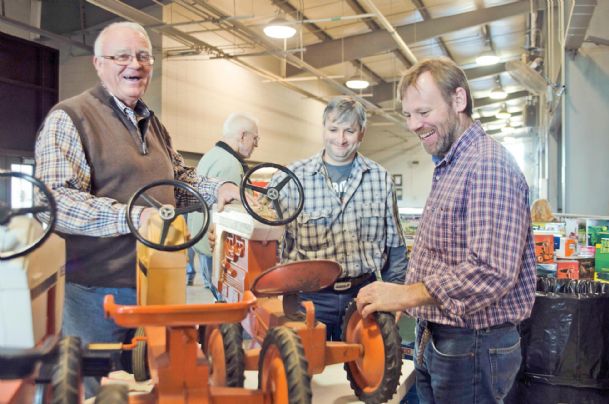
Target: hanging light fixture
{"x":487,"y":58}
{"x":503,"y":113}
{"x":498,"y":93}
{"x":279,"y":28}
{"x":357,"y":83}
{"x":508,"y":129}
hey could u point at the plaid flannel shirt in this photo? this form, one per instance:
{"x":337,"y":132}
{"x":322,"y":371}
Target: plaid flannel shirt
{"x":61,"y":164}
{"x":357,"y":231}
{"x":474,"y":248}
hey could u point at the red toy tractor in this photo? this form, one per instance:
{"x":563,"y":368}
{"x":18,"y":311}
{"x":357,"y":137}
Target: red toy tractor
{"x":245,"y":260}
{"x":166,"y":346}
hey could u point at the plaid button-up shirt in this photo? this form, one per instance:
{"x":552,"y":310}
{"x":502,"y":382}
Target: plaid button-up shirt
{"x":474,"y":248}
{"x":61,"y":164}
{"x":355,"y":231}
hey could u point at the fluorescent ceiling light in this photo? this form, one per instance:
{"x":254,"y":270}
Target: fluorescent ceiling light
{"x":357,"y":83}
{"x":279,"y":28}
{"x":487,"y":59}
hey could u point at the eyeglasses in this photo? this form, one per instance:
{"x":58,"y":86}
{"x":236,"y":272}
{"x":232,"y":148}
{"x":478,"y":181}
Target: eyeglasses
{"x":124,"y":59}
{"x":255,"y":135}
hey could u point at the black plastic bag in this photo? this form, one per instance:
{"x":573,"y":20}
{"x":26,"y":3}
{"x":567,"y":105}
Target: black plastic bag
{"x":565,"y":344}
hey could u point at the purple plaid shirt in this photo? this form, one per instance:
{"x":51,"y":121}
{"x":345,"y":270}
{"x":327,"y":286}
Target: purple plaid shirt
{"x":474,"y":246}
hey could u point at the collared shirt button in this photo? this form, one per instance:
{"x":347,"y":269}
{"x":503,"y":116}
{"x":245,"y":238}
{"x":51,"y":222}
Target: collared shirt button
{"x":437,"y":177}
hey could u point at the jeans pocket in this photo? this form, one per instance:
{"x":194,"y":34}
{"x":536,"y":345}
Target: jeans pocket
{"x":505,"y":363}
{"x":453,"y":347}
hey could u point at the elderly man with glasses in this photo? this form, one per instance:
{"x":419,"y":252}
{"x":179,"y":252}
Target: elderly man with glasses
{"x":94,"y":151}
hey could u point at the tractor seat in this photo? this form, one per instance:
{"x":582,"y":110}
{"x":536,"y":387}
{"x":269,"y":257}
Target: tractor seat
{"x":296,"y":277}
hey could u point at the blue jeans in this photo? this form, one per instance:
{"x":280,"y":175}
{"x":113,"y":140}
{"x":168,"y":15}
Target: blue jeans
{"x":190,"y":266}
{"x":83,"y":316}
{"x":467,"y":366}
{"x":330,"y":309}
{"x":206,"y":264}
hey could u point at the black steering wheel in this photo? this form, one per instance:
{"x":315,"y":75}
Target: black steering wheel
{"x":273,"y":195}
{"x":168,"y":214}
{"x":7,"y":213}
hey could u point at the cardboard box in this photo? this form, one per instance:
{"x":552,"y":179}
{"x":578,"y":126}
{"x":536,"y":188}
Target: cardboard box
{"x":546,"y":270}
{"x":596,"y":229}
{"x":544,"y":248}
{"x":601,"y":258}
{"x":567,"y":247}
{"x":586,"y":267}
{"x":567,"y":269}
{"x":601,"y":277}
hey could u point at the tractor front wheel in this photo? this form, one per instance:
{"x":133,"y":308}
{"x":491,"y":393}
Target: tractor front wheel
{"x":67,"y":372}
{"x":374,"y":377}
{"x":282,"y":366}
{"x":223,"y":346}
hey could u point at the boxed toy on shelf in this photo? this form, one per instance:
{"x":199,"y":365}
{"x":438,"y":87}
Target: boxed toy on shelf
{"x":601,"y":259}
{"x":544,"y":248}
{"x":596,"y":229}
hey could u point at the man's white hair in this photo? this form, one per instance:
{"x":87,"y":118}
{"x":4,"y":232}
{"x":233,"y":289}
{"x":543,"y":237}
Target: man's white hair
{"x":236,"y":123}
{"x":99,"y":41}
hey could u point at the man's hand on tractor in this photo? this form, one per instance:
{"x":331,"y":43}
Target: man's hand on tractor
{"x":226,"y":193}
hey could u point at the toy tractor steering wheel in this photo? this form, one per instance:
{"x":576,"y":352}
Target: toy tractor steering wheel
{"x":168,"y":214}
{"x":272,"y":193}
{"x":7,"y":213}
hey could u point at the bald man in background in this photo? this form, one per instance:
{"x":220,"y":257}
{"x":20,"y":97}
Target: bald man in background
{"x":226,"y":160}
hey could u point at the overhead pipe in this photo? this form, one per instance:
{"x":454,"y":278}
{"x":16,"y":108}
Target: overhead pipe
{"x":394,"y":34}
{"x":300,"y":64}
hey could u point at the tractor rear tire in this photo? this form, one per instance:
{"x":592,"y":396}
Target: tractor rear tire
{"x":223,"y":346}
{"x":112,"y":394}
{"x":282,"y":368}
{"x":66,"y":378}
{"x":139,"y":358}
{"x":374,"y":377}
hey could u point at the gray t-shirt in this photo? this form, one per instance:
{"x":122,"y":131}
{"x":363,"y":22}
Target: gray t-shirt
{"x":338,"y":177}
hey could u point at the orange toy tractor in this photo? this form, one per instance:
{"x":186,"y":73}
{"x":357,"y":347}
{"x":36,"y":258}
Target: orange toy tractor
{"x":36,"y":365}
{"x":245,"y":260}
{"x":166,"y":345}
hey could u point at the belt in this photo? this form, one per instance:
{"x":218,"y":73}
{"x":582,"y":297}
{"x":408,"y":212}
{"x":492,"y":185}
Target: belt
{"x":347,"y":284}
{"x":440,"y":327}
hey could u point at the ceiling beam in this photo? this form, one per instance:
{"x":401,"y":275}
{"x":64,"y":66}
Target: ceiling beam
{"x":386,"y":91}
{"x":578,"y":22}
{"x":489,"y":119}
{"x":50,"y":35}
{"x":426,"y":17}
{"x":485,"y":102}
{"x":355,"y":6}
{"x":359,"y":46}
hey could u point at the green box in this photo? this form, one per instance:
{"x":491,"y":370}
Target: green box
{"x":601,"y":259}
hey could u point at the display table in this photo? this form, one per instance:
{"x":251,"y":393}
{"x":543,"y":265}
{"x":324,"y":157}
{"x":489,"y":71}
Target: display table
{"x":332,"y":386}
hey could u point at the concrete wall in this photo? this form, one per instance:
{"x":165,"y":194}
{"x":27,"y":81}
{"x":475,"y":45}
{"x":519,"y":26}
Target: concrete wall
{"x":586,"y":123}
{"x":198,"y":95}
